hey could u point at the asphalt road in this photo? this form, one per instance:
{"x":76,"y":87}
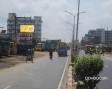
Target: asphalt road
{"x":42,"y":74}
{"x":106,"y":83}
{"x":107,"y":72}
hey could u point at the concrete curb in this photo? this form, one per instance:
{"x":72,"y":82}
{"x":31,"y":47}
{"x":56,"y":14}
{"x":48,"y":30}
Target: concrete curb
{"x":69,"y":84}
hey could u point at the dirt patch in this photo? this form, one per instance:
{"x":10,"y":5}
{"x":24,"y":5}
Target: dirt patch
{"x":6,"y":62}
{"x":40,"y":54}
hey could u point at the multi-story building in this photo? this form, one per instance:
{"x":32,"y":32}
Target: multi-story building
{"x":108,"y":36}
{"x":101,"y":33}
{"x":98,"y":34}
{"x":14,"y":23}
{"x":38,"y":27}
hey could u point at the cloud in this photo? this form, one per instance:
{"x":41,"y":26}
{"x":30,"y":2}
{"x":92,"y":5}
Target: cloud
{"x":98,"y":12}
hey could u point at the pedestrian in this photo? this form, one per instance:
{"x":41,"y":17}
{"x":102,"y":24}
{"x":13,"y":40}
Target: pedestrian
{"x":30,"y":54}
{"x":103,"y":51}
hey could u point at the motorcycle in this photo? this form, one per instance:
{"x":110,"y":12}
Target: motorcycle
{"x":50,"y":56}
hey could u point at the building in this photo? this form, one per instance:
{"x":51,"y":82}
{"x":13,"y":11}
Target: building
{"x":96,"y":36}
{"x":38,"y":27}
{"x":101,"y":33}
{"x":14,"y":23}
{"x":98,"y":33}
{"x":108,"y":37}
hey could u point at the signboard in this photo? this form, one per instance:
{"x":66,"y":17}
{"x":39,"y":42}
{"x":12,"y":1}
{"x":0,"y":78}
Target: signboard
{"x":25,"y":38}
{"x":62,"y":44}
{"x":27,"y":28}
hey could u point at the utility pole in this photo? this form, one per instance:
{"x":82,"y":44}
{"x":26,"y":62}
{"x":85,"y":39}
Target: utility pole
{"x":72,"y":46}
{"x":73,"y":32}
{"x":107,"y":37}
{"x":73,"y":52}
{"x":77,"y":20}
{"x":15,"y":35}
{"x":15,"y":29}
{"x":74,"y":29}
{"x":77,"y":26}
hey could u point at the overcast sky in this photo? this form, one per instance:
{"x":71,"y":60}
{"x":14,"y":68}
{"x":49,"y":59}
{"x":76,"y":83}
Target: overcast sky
{"x":98,"y":14}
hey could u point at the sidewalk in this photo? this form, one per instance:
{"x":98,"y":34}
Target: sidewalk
{"x":107,"y":55}
{"x":6,"y":62}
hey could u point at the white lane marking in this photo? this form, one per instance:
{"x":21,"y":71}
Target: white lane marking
{"x":63,"y":75}
{"x":106,"y":66}
{"x":7,"y":87}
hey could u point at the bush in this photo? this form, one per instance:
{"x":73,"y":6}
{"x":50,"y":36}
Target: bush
{"x":79,"y":86}
{"x":88,"y":66}
{"x":76,"y":58}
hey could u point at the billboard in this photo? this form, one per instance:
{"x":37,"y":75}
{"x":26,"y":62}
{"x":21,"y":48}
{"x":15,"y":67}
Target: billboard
{"x":25,"y":38}
{"x":27,"y":28}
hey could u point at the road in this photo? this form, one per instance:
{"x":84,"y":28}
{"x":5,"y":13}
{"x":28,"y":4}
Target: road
{"x":42,"y":74}
{"x":107,"y":72}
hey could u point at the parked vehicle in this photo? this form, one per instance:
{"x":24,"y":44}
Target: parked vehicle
{"x":38,"y":47}
{"x":0,"y":49}
{"x":13,"y":48}
{"x":43,"y":46}
{"x":5,"y":48}
{"x":22,"y":48}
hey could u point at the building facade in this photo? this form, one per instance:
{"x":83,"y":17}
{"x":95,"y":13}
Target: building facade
{"x":99,"y":36}
{"x":99,"y":33}
{"x":108,"y":37}
{"x":14,"y":23}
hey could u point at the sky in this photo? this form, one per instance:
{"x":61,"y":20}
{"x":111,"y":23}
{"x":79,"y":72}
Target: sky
{"x":98,"y":14}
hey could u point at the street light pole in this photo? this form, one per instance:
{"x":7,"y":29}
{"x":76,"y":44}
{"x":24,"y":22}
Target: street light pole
{"x":72,"y":48}
{"x":73,"y":52}
{"x":77,"y":26}
{"x":15,"y":30}
{"x":77,"y":20}
{"x":74,"y":28}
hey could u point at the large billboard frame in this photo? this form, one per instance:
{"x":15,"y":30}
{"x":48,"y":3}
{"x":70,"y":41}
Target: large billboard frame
{"x":26,"y":28}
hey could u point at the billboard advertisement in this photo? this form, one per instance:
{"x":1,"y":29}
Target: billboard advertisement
{"x":27,"y":28}
{"x":25,"y":38}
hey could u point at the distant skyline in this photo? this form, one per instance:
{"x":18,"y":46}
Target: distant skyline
{"x":98,"y":15}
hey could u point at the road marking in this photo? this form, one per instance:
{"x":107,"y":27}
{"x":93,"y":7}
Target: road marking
{"x":7,"y":87}
{"x":63,"y":75}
